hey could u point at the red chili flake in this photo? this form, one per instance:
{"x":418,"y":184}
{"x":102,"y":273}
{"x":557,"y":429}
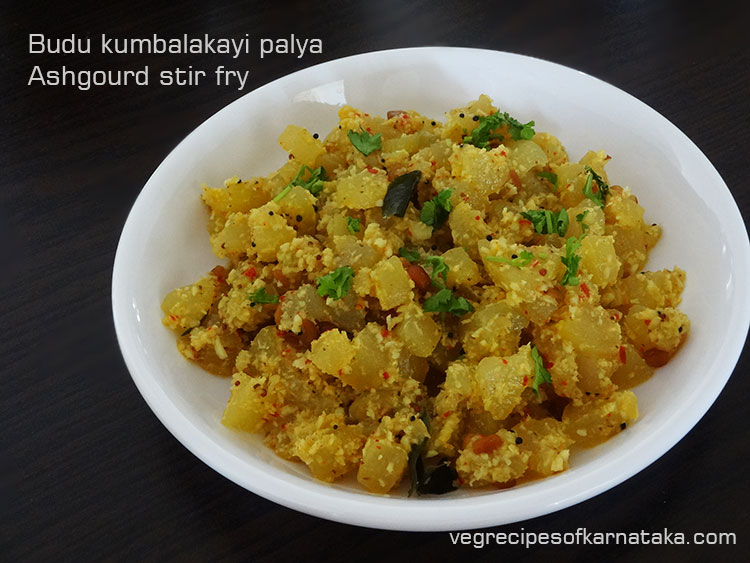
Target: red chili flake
{"x":525,"y":380}
{"x":524,"y":222}
{"x":275,"y":414}
{"x":563,"y":383}
{"x":585,"y":290}
{"x":542,"y":272}
{"x":385,"y":375}
{"x":461,"y":481}
{"x":172,"y":317}
{"x":503,"y":153}
{"x":623,"y":355}
{"x":264,"y":393}
{"x":236,"y":383}
{"x":535,"y":263}
{"x":378,"y":447}
{"x":416,"y":408}
{"x":433,"y":163}
{"x":446,"y":414}
{"x":384,"y":333}
{"x":283,"y":426}
{"x":341,"y":371}
{"x":372,"y":170}
{"x":308,"y":361}
{"x":505,"y":361}
{"x":478,"y":218}
{"x":647,"y":321}
{"x":250,"y":273}
{"x":280,"y":333}
{"x":549,"y":365}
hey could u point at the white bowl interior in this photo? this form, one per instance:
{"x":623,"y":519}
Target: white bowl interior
{"x":164,"y":244}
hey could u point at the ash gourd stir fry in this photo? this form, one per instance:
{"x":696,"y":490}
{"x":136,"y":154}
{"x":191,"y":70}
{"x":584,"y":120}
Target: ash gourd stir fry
{"x":448,"y":303}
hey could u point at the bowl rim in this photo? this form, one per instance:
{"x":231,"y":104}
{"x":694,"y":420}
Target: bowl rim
{"x":419,"y":514}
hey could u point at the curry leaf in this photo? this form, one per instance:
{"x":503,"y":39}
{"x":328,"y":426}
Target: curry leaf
{"x":399,"y":194}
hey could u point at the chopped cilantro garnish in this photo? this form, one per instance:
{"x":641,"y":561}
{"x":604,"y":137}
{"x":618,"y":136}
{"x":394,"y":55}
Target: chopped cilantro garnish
{"x":551,"y":177}
{"x":353,"y":224}
{"x":412,"y":255}
{"x":262,"y":297}
{"x":598,"y":179}
{"x":541,"y":375}
{"x":445,"y":302}
{"x":482,"y":134}
{"x":313,"y":184}
{"x":580,"y":217}
{"x":435,"y":211}
{"x":336,"y":284}
{"x":602,"y":187}
{"x":439,"y":269}
{"x":520,"y":130}
{"x":517,"y":262}
{"x":365,"y":142}
{"x":282,"y":194}
{"x":548,"y":222}
{"x":571,"y":261}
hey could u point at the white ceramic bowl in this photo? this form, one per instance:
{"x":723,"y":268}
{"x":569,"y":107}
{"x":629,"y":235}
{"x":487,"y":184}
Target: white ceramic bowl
{"x":164,"y":244}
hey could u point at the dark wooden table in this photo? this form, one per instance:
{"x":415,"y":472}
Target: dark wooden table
{"x":89,"y":473}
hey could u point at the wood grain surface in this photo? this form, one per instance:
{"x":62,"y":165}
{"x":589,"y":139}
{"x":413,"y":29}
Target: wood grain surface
{"x":89,"y":473}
